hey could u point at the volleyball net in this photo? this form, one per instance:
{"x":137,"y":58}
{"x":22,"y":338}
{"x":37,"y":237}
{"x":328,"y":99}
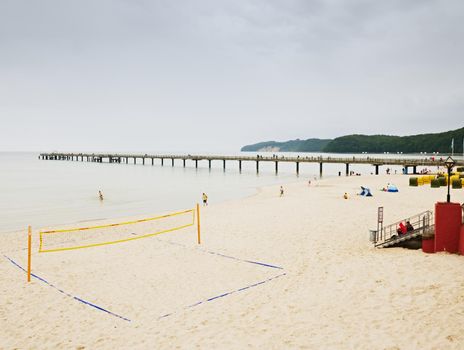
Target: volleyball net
{"x":94,"y":236}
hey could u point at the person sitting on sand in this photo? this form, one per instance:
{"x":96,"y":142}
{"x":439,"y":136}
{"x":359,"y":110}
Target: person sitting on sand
{"x":409,"y":227}
{"x":205,"y":199}
{"x":100,"y":195}
{"x":401,"y":229}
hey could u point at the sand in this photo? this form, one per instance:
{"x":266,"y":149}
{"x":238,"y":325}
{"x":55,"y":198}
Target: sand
{"x":327,"y":288}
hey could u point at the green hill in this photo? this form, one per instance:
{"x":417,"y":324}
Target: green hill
{"x":310,"y":145}
{"x":437,"y":142}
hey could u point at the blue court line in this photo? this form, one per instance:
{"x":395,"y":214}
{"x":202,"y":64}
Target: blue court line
{"x":189,"y":306}
{"x":226,"y":294}
{"x":226,"y":256}
{"x":67,"y":294}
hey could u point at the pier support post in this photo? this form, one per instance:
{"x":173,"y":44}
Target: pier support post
{"x":414,"y":169}
{"x":162,"y":161}
{"x":224,"y":164}
{"x":135,"y":160}
{"x":209,"y":163}
{"x":347,"y":169}
{"x":184,"y":162}
{"x":143,"y":160}
{"x":376,"y":169}
{"x":276,"y":167}
{"x":153,"y":161}
{"x":196,"y":163}
{"x":257,"y":166}
{"x":320,"y":169}
{"x":240,"y":166}
{"x":297,"y":168}
{"x":172,"y":161}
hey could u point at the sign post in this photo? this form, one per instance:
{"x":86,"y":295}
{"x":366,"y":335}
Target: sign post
{"x":380,"y":222}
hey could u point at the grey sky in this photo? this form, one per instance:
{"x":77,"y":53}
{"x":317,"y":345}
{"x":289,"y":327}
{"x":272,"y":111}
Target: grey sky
{"x":214,"y":75}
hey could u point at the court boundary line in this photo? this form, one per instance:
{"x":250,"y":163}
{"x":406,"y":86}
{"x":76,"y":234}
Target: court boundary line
{"x":223,"y":255}
{"x":83,"y":301}
{"x":210,"y":299}
{"x":224,"y":294}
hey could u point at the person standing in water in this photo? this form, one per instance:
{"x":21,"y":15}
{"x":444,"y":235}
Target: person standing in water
{"x":100,"y":195}
{"x":205,"y":199}
{"x":281,"y":191}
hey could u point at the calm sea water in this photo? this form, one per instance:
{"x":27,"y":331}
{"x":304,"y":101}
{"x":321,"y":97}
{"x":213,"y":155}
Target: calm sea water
{"x":47,"y":193}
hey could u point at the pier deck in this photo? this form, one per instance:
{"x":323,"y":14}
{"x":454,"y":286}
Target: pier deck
{"x":406,"y":163}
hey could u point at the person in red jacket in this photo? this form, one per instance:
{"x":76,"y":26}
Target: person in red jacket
{"x":401,"y":229}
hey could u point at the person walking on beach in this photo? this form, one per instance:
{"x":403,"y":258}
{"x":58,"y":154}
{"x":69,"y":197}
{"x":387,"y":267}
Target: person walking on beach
{"x":281,"y":191}
{"x":100,"y":195}
{"x":205,"y":199}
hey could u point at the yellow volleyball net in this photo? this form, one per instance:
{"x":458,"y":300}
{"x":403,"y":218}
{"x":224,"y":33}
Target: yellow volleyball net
{"x":94,"y":236}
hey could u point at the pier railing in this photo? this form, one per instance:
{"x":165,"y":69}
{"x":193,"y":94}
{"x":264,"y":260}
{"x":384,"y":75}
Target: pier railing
{"x":276,"y":158}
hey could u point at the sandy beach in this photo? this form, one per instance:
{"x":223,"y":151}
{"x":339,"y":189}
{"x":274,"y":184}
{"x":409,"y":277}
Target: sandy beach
{"x":291,"y":272}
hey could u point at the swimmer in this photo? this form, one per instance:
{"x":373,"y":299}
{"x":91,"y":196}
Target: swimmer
{"x":205,"y":199}
{"x":100,"y":195}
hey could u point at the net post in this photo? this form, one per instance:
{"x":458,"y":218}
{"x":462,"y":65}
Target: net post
{"x":29,"y":244}
{"x":198,"y":223}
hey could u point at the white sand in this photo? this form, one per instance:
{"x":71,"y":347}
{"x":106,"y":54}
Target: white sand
{"x":338,"y":292}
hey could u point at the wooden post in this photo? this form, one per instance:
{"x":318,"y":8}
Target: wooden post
{"x":198,"y":223}
{"x":29,"y":245}
{"x":240,"y":166}
{"x":297,"y":168}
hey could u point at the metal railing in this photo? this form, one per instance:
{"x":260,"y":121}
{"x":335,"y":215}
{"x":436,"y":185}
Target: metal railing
{"x":422,"y":223}
{"x":270,"y":158}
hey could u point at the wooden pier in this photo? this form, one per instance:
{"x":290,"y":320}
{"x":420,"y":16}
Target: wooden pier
{"x":407,"y":163}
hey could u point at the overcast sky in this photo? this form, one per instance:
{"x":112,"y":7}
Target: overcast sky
{"x":214,"y":75}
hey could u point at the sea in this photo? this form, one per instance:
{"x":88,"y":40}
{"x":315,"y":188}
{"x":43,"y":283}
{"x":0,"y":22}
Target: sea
{"x":48,"y":193}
